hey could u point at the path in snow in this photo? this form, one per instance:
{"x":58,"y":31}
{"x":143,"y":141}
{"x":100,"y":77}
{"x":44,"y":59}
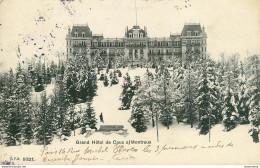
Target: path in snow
{"x":108,"y":101}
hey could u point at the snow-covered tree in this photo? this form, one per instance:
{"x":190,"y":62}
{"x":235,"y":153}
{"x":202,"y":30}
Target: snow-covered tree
{"x":111,"y":75}
{"x":230,"y":113}
{"x":243,"y":108}
{"x":44,"y":126}
{"x":189,"y":90}
{"x":102,"y":76}
{"x":44,"y":73}
{"x":25,"y":106}
{"x":11,"y":112}
{"x":139,"y":117}
{"x":127,"y":93}
{"x":87,"y":85}
{"x":60,"y":102}
{"x":114,"y":79}
{"x":144,"y":98}
{"x":119,"y":73}
{"x":206,"y":99}
{"x":48,"y":76}
{"x":137,"y":82}
{"x":253,"y":102}
{"x":39,"y":83}
{"x":178,"y":92}
{"x":89,"y":118}
{"x":106,"y":83}
{"x":163,"y":99}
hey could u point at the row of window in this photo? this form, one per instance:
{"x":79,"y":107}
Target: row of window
{"x":135,"y":35}
{"x":160,"y":51}
{"x":194,"y":41}
{"x":134,"y":44}
{"x":196,"y":33}
{"x":79,"y":35}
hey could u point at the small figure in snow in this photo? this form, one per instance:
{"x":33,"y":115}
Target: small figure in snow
{"x":101,"y":118}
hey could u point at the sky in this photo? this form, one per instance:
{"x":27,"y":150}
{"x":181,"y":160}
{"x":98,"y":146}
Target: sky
{"x":37,"y":28}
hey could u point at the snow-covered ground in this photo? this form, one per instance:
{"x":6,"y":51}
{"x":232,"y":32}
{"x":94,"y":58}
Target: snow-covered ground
{"x":241,"y":149}
{"x":107,"y":100}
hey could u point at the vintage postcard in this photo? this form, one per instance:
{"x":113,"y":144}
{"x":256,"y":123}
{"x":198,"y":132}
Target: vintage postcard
{"x":129,"y":82}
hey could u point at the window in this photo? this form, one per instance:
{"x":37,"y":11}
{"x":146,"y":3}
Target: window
{"x":130,"y":35}
{"x":141,"y":35}
{"x":83,"y":35}
{"x":188,"y":33}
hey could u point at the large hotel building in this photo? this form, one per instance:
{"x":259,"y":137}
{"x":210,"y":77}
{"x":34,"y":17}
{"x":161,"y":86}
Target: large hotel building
{"x":136,"y":47}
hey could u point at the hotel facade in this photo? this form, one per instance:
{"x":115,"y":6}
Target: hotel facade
{"x":136,"y":47}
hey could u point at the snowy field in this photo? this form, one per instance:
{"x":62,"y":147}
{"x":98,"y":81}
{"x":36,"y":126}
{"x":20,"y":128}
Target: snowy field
{"x":107,"y":101}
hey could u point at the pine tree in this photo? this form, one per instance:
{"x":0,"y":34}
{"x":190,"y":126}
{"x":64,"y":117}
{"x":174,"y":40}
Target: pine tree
{"x":14,"y":103}
{"x":189,"y":90}
{"x":253,"y":102}
{"x":105,"y":81}
{"x":89,"y":118}
{"x":114,"y":79}
{"x":53,"y":69}
{"x":206,"y":100}
{"x":87,"y":86}
{"x":178,"y":92}
{"x":119,"y":73}
{"x":44,"y":73}
{"x":44,"y":122}
{"x":3,"y":106}
{"x":218,"y":104}
{"x":27,"y":124}
{"x":92,"y":84}
{"x":102,"y":76}
{"x":31,"y":74}
{"x":48,"y":76}
{"x":39,"y":83}
{"x":25,"y":106}
{"x":243,"y":108}
{"x":60,"y":104}
{"x":127,"y":93}
{"x":72,"y":118}
{"x":71,"y":84}
{"x":163,"y":100}
{"x":137,"y":83}
{"x":111,"y":75}
{"x":138,"y":119}
{"x":230,"y":113}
